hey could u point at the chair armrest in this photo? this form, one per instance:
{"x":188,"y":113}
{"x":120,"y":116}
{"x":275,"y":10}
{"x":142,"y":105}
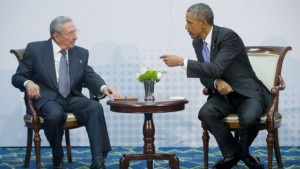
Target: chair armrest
{"x":281,"y":83}
{"x":273,"y":110}
{"x":36,"y":122}
{"x":206,"y":91}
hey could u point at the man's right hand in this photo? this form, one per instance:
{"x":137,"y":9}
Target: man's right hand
{"x":172,"y":60}
{"x":33,"y":90}
{"x":223,"y":87}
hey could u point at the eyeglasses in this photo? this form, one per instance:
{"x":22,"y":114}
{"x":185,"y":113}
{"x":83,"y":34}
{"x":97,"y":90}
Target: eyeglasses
{"x":71,"y":34}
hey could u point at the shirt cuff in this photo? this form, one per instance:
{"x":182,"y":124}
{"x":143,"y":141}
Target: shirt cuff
{"x":215,"y":84}
{"x":25,"y":83}
{"x":184,"y":66}
{"x":102,"y":88}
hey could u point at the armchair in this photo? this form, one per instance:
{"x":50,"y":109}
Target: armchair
{"x":267,"y":63}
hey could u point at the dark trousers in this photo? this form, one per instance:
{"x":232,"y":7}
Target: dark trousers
{"x":249,"y":111}
{"x":87,"y":112}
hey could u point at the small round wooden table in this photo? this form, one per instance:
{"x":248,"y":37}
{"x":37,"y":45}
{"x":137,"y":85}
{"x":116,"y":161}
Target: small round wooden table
{"x":148,"y":108}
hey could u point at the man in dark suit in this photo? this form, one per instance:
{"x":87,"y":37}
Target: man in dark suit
{"x":40,"y":76}
{"x":224,"y":68}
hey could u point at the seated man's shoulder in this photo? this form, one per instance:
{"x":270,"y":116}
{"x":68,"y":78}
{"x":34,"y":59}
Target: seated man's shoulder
{"x":36,"y":44}
{"x":80,"y":50}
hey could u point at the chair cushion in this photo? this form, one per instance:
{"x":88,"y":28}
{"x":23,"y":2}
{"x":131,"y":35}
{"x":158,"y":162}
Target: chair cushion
{"x":28,"y":118}
{"x":234,"y":118}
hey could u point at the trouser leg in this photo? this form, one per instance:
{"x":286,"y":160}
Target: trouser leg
{"x":90,"y":114}
{"x":54,"y":118}
{"x":212,"y":114}
{"x":249,"y":112}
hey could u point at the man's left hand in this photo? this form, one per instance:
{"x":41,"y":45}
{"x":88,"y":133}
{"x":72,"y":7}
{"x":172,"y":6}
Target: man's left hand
{"x":111,"y":91}
{"x":223,"y":87}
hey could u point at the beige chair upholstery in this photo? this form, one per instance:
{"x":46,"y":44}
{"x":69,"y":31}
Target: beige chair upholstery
{"x":267,"y":63}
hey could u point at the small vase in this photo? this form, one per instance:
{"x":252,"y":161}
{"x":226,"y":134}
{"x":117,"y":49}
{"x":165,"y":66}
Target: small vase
{"x":149,"y":91}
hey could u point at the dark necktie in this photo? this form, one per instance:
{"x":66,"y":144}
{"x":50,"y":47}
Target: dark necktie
{"x":205,"y":52}
{"x":64,"y":78}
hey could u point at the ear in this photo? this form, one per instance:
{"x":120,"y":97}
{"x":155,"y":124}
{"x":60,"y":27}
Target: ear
{"x":205,"y":24}
{"x":56,"y":36}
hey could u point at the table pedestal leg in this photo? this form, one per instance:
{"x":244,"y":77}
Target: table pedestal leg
{"x":149,"y":132}
{"x":149,"y":149}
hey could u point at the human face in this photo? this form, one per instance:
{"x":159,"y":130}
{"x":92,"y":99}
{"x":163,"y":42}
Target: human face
{"x":195,"y":27}
{"x":66,"y":39}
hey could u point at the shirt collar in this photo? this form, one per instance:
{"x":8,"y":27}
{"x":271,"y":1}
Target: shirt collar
{"x":56,"y":48}
{"x":209,"y":36}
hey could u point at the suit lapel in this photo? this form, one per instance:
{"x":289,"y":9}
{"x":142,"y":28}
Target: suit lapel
{"x":48,"y":58}
{"x":198,"y":43}
{"x":75,"y":62}
{"x":213,"y":49}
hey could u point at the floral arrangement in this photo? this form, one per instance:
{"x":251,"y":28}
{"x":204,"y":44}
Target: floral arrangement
{"x":147,"y":74}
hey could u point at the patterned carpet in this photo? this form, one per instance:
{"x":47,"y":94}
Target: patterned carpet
{"x":190,"y":158}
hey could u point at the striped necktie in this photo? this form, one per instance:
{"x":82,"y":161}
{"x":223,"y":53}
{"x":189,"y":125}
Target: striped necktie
{"x":64,"y":78}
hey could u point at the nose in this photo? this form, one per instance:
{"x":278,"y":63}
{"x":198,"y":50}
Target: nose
{"x":75,"y":36}
{"x":186,"y":26}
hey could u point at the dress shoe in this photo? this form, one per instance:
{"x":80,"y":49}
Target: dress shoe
{"x":58,"y":164}
{"x":227,"y":163}
{"x":98,"y":164}
{"x":253,"y":162}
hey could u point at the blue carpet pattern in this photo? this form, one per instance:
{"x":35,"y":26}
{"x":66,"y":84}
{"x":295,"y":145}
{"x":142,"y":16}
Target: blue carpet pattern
{"x":190,"y":158}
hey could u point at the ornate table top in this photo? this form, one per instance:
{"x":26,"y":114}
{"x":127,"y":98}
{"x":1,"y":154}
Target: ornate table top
{"x":147,"y":107}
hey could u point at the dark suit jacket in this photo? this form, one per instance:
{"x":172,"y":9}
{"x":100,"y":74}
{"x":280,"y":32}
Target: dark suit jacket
{"x":229,"y":62}
{"x":38,"y":65}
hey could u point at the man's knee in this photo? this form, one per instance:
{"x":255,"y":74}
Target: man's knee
{"x":95,"y":108}
{"x":249,"y":121}
{"x":55,"y":118}
{"x":95,"y":105}
{"x":205,"y":112}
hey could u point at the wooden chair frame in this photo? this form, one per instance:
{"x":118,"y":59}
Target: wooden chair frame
{"x":34,"y":123}
{"x":271,"y":120}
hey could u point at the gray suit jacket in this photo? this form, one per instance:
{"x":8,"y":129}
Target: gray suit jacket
{"x":38,"y":65}
{"x":229,"y":62}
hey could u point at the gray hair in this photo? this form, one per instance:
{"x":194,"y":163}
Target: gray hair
{"x":57,"y":23}
{"x":202,"y":11}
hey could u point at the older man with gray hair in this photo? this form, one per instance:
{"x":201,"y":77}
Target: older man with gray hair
{"x":53,"y":73}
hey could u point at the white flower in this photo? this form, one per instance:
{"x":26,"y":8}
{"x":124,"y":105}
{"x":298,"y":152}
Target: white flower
{"x":159,"y":75}
{"x":147,"y":74}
